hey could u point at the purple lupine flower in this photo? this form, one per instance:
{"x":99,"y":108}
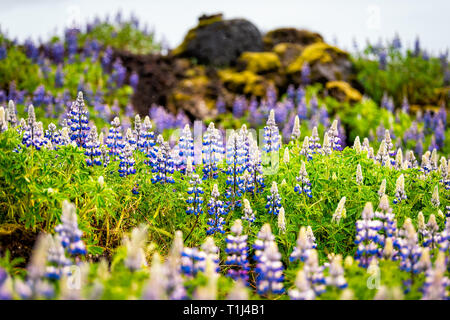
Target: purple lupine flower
{"x":186,"y":149}
{"x":271,"y":135}
{"x":3,"y":52}
{"x":134,"y":80}
{"x":107,"y":58}
{"x":127,"y":162}
{"x":119,"y":73}
{"x":31,"y":50}
{"x":382,"y":59}
{"x":336,"y":273}
{"x":237,"y":252}
{"x":58,"y":52}
{"x":71,"y":37}
{"x":220,"y":106}
{"x":305,"y":74}
{"x":405,"y":105}
{"x":33,"y":134}
{"x":396,"y":43}
{"x":38,"y":95}
{"x":302,"y":110}
{"x":303,"y":184}
{"x":239,"y":107}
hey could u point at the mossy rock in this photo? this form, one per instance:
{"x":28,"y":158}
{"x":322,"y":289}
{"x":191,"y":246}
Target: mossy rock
{"x":260,"y":62}
{"x":290,"y":35}
{"x":288,"y":52}
{"x":318,"y":52}
{"x":246,"y":82}
{"x":343,"y":91}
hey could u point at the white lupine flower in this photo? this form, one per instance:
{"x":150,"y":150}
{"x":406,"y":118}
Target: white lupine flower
{"x":303,"y":289}
{"x":399,"y":159}
{"x":359,"y":176}
{"x":400,"y":189}
{"x":348,"y":261}
{"x":327,"y":148}
{"x":286,"y":155}
{"x":347,"y":294}
{"x":3,"y":122}
{"x":441,"y":214}
{"x":357,"y":145}
{"x":189,"y":167}
{"x":208,"y":292}
{"x":366,"y":144}
{"x":281,"y":221}
{"x":340,"y":211}
{"x":434,"y":158}
{"x":296,"y":129}
{"x":238,"y":292}
{"x":421,"y":223}
{"x":382,"y":190}
{"x":101,"y":181}
{"x":435,"y":197}
{"x":336,"y":273}
{"x":135,"y":259}
{"x":155,"y":288}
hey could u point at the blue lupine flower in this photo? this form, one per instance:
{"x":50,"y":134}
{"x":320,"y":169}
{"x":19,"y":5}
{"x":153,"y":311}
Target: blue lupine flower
{"x":314,"y":142}
{"x":249,"y":215}
{"x":58,"y":52}
{"x":134,"y":80}
{"x":162,"y":164}
{"x":221,"y":106}
{"x":38,"y":95}
{"x":400,"y":194}
{"x":92,"y":147}
{"x":114,"y":139}
{"x":127,"y":162}
{"x":189,"y":259}
{"x":305,"y":73}
{"x":212,"y":152}
{"x":271,"y":135}
{"x":239,"y":107}
{"x":33,"y":133}
{"x":216,"y":209}
{"x":263,"y":240}
{"x":3,"y":52}
{"x":107,"y":58}
{"x":195,"y":200}
{"x":56,"y":257}
{"x":237,"y":253}
{"x":273,"y":204}
{"x":186,"y":148}
{"x":367,"y":237}
{"x":336,"y":274}
{"x":69,"y":232}
{"x":389,"y":224}
{"x":269,"y":271}
{"x":303,"y":185}
{"x":119,"y":73}
{"x":305,"y":243}
{"x":410,"y":251}
{"x":235,"y":162}
{"x":78,"y":121}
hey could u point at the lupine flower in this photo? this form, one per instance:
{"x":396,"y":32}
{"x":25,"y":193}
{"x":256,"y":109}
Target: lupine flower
{"x":431,"y":236}
{"x":270,"y":271}
{"x":444,"y":240}
{"x":172,"y":265}
{"x":135,"y":259}
{"x":126,"y":164}
{"x":3,"y":122}
{"x":248,"y":212}
{"x":237,"y":251}
{"x":217,"y":210}
{"x":11,"y":114}
{"x":239,"y":107}
{"x":114,"y":139}
{"x":155,"y":288}
{"x":134,"y":80}
{"x":69,"y":232}
{"x":92,"y":147}
{"x":209,"y":251}
{"x":303,"y":185}
{"x":238,"y":292}
{"x":57,"y":259}
{"x":336,"y":273}
{"x":333,"y":135}
{"x":235,"y":168}
{"x":435,"y":197}
{"x":436,"y":282}
{"x":271,"y":135}
{"x":400,"y":190}
{"x":212,"y":152}
{"x":119,"y":73}
{"x":410,"y":251}
{"x":314,"y":144}
{"x":273,"y":200}
{"x":286,"y":155}
{"x":186,"y":148}
{"x":163,"y":164}
{"x":59,"y":77}
{"x":357,"y":145}
{"x":399,"y":159}
{"x":387,"y":217}
{"x":263,"y":240}
{"x":281,"y":221}
{"x":359,"y":176}
{"x":306,"y":150}
{"x":33,"y":134}
{"x":305,"y":73}
{"x":189,"y":261}
{"x":296,"y":129}
{"x":305,"y":243}
{"x":208,"y":292}
{"x":195,"y":200}
{"x":340,"y":211}
{"x":382,"y":190}
{"x":303,"y":290}
{"x":255,"y":182}
{"x":78,"y":121}
{"x":314,"y":272}
{"x":367,"y":238}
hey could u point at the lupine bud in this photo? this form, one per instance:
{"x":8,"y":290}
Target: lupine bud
{"x":281,"y":221}
{"x":340,"y":211}
{"x":400,"y":190}
{"x":359,"y":176}
{"x":286,"y":156}
{"x":382,"y":190}
{"x":135,"y":259}
{"x":435,"y":197}
{"x":238,"y":292}
{"x":248,"y":212}
{"x":296,"y":129}
{"x":357,"y":145}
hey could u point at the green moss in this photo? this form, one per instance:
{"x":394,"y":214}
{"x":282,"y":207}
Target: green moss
{"x":259,"y":62}
{"x":351,"y":93}
{"x":320,"y":51}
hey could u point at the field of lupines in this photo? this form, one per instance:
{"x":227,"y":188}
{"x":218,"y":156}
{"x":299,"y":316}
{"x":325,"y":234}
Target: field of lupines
{"x":295,"y":196}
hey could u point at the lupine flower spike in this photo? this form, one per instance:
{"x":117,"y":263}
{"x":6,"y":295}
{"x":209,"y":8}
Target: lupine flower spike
{"x":237,"y":251}
{"x":273,"y":200}
{"x":217,"y":210}
{"x":400,"y":190}
{"x":340,"y":211}
{"x":303,"y":185}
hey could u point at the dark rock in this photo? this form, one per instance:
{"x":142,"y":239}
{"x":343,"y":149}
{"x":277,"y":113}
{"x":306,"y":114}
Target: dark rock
{"x":290,"y":35}
{"x":219,"y":42}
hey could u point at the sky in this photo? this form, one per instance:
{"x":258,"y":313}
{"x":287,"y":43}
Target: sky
{"x":341,"y":21}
